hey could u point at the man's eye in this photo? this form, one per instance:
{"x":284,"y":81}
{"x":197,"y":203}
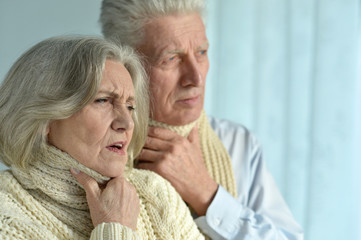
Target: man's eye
{"x":171,"y":60}
{"x":203,"y":52}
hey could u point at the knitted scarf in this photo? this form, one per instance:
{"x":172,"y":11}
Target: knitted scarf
{"x":50,"y":182}
{"x":216,"y":158}
{"x":162,"y":213}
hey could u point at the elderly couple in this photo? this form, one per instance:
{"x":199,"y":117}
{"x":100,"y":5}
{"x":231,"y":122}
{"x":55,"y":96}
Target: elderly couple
{"x":83,"y":164}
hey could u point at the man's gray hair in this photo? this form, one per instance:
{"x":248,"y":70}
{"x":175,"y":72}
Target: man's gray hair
{"x":122,"y":21}
{"x":55,"y":79}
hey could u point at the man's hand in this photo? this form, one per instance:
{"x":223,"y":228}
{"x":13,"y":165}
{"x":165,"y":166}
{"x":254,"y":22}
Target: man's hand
{"x":179,"y":160}
{"x":117,"y":202}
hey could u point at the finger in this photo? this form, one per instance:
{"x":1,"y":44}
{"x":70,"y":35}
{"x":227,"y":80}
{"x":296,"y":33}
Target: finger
{"x":146,"y":166}
{"x":193,"y":136}
{"x":162,"y":133}
{"x":88,"y":183}
{"x":156,"y":144}
{"x":148,"y":155}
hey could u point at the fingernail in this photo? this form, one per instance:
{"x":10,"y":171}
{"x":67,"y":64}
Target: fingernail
{"x":74,"y":170}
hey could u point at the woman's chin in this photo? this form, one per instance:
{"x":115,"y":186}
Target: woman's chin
{"x":113,"y":172}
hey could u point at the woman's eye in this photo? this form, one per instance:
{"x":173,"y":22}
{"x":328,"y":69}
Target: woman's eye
{"x":102,"y":100}
{"x":131,"y":108}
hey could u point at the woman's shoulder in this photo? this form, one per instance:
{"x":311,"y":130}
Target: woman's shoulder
{"x":14,"y":208}
{"x":14,"y":199}
{"x":21,"y":215}
{"x":9,"y":187}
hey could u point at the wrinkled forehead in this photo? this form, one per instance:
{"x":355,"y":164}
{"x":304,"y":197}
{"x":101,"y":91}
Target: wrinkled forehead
{"x":172,"y":33}
{"x":117,"y":80}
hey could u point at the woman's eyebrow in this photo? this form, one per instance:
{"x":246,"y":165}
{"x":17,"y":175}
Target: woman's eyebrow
{"x":131,"y":99}
{"x":115,"y":95}
{"x":110,"y":93}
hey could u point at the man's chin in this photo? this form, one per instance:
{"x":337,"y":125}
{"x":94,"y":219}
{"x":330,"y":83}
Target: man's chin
{"x":180,"y":119}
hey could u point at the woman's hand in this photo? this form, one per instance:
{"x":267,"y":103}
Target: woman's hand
{"x":116,"y":202}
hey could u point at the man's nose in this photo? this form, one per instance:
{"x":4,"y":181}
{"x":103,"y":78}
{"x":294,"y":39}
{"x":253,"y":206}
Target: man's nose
{"x":191,"y":73}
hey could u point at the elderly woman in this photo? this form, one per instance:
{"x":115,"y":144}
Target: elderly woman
{"x":70,"y":120}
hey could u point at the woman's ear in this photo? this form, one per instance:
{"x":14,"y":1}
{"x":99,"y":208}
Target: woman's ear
{"x":47,"y":130}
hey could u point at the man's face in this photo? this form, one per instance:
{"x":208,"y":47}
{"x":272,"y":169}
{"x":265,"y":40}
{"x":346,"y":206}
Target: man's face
{"x":176,"y":50}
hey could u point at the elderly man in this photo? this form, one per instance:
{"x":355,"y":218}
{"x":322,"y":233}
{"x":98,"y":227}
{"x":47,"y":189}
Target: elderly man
{"x":193,"y":152}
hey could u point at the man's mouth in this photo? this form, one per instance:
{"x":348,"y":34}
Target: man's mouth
{"x":191,"y":101}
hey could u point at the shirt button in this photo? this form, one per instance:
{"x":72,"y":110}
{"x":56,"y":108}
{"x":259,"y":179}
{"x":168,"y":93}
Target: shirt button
{"x":217,"y":221}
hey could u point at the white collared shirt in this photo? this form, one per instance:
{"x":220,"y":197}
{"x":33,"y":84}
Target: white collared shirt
{"x":259,"y":212}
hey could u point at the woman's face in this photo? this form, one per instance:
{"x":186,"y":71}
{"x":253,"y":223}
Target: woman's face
{"x":98,"y":135}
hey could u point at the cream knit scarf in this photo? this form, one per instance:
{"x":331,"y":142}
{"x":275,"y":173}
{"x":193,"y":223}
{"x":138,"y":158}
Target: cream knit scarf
{"x":50,"y":182}
{"x":216,"y":157}
{"x":162,"y":213}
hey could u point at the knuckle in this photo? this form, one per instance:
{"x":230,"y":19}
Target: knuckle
{"x":158,"y":168}
{"x":173,"y":149}
{"x":91,"y":187}
{"x":148,"y":140}
{"x":116,"y":183}
{"x":183,"y":141}
{"x":168,"y":155}
{"x":154,"y":130}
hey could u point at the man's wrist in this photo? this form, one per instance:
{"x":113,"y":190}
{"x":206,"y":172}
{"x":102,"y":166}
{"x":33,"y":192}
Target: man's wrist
{"x":202,"y":202}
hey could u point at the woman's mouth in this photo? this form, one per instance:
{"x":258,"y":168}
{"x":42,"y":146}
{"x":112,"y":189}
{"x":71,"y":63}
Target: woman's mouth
{"x":117,"y":147}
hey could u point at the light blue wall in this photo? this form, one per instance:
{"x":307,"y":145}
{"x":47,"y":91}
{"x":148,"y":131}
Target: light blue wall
{"x":289,"y":70}
{"x":25,"y":23}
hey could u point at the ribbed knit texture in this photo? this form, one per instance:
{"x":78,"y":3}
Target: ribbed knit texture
{"x":215,"y":155}
{"x":46,"y":202}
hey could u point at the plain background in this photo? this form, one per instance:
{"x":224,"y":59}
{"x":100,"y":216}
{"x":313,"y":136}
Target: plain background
{"x":289,"y":70}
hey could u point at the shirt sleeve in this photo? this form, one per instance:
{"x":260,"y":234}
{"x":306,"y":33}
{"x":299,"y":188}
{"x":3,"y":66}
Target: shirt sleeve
{"x":259,"y":212}
{"x":226,"y":218}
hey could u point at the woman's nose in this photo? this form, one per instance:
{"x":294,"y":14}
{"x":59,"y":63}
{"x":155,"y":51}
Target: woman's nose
{"x":123,"y":120}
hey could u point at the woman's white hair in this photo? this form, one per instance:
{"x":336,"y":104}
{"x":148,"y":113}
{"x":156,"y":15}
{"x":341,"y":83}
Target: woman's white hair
{"x":122,"y":21}
{"x":55,"y":79}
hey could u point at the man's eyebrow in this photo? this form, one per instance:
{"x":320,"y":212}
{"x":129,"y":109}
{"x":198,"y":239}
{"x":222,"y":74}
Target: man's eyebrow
{"x":174,"y":51}
{"x":178,"y":51}
{"x":204,"y":45}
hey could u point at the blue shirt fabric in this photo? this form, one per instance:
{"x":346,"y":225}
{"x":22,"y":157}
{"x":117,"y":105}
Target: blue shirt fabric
{"x":259,"y":212}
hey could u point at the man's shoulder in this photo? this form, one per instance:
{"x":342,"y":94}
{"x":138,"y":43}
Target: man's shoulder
{"x":224,"y":124}
{"x":226,"y":129}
